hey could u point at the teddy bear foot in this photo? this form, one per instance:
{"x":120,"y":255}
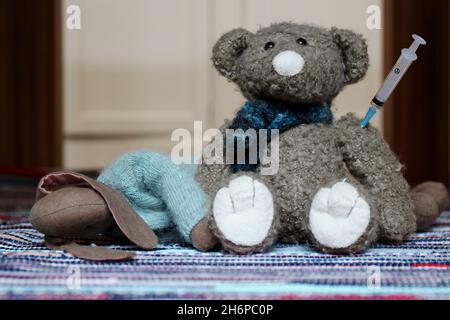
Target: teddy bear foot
{"x":430,"y":199}
{"x":243,"y":215}
{"x":339,"y":219}
{"x":202,"y":237}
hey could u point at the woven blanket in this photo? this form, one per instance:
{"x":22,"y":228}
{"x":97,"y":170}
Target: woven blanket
{"x":417,"y":269}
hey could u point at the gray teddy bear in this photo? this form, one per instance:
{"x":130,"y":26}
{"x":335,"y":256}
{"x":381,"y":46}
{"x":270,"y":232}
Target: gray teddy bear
{"x":338,"y":186}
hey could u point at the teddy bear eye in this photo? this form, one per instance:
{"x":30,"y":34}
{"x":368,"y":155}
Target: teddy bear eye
{"x":302,"y":41}
{"x":269,"y":45}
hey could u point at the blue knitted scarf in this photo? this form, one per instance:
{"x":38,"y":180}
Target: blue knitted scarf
{"x":266,"y":114}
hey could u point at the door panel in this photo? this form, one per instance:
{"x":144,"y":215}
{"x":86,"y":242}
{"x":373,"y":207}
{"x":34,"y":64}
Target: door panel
{"x":139,"y":69}
{"x":135,"y":67}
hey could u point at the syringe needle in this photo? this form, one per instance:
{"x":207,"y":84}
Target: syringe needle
{"x":369,"y":115}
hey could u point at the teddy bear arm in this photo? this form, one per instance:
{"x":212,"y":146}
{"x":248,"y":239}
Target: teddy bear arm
{"x":370,"y":160}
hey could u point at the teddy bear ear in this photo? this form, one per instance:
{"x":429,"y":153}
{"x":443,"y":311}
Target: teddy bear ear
{"x":227,"y":50}
{"x":354,"y":53}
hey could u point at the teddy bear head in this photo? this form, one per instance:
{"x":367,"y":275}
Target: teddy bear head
{"x":291,"y":62}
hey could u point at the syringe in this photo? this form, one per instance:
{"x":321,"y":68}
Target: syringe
{"x":407,"y":57}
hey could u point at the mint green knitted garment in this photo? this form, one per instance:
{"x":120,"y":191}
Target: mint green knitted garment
{"x":161,"y":192}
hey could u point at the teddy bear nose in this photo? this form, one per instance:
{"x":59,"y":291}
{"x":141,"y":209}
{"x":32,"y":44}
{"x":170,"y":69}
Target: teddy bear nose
{"x":288,"y":63}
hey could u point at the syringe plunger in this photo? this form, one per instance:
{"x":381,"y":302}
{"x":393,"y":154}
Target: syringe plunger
{"x":418,"y":40}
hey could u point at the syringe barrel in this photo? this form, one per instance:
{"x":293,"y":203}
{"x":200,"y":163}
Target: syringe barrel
{"x":398,"y":71}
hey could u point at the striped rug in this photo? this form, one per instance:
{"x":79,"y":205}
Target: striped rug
{"x":417,"y":269}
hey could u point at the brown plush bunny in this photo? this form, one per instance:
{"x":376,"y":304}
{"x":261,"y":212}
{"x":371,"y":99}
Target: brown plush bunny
{"x":73,"y":211}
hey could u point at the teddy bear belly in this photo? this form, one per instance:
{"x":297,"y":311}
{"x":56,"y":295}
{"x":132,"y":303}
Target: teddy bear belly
{"x":309,"y":160}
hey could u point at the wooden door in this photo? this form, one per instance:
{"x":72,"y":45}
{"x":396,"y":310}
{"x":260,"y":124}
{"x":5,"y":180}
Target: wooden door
{"x":417,"y":116}
{"x":30,"y":84}
{"x":139,"y":69}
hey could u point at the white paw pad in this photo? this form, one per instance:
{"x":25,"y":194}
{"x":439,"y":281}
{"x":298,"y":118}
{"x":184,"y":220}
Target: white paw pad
{"x":338,"y":216}
{"x":244,"y":211}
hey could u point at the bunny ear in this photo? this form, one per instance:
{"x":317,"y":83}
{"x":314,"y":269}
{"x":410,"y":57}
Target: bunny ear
{"x":228,"y":49}
{"x":128,"y":221}
{"x":354,"y":53}
{"x":88,"y":252}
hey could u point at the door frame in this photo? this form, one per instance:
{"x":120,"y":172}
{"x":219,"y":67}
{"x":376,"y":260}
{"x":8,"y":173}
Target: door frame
{"x":30,"y":83}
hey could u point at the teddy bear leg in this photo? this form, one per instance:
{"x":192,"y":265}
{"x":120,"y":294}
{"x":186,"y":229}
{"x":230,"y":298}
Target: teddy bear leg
{"x":341,"y":219}
{"x":243,"y":215}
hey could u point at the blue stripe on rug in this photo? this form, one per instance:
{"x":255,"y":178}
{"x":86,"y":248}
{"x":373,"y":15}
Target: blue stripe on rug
{"x":416,"y":269}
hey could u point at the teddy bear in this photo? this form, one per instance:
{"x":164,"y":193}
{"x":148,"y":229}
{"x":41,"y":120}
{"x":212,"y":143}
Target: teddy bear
{"x":337,"y":186}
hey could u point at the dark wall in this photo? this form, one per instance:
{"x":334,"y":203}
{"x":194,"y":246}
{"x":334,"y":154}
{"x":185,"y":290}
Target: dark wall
{"x":417,"y":115}
{"x":30,"y":83}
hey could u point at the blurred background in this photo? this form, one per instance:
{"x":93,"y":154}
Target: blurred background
{"x":138,"y":69}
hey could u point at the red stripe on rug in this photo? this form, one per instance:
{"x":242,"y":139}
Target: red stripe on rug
{"x":431,"y":265}
{"x":348,"y":297}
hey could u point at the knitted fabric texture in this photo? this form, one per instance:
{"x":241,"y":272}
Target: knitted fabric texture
{"x":162,"y":193}
{"x":270,"y":114}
